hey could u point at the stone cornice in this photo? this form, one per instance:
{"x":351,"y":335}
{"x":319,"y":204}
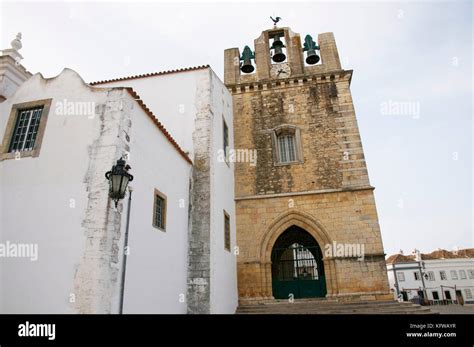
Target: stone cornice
{"x":294,"y":81}
{"x":310,"y":192}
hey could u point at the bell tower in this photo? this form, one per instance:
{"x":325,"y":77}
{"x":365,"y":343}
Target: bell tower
{"x":308,"y":195}
{"x":280,"y":48}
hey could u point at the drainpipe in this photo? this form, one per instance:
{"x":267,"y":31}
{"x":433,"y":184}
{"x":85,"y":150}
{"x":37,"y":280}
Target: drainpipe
{"x":125,"y":251}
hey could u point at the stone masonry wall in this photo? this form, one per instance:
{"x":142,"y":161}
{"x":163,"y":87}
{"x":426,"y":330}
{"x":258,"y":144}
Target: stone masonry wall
{"x":198,"y":296}
{"x":345,"y":217}
{"x":332,"y":151}
{"x":97,"y":277}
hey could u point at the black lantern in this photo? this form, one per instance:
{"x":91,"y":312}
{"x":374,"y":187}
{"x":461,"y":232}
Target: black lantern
{"x":118,"y":180}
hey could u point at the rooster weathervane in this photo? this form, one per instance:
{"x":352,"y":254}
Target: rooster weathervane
{"x":275,"y":20}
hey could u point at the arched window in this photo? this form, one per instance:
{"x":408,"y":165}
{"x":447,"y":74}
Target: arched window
{"x":287,"y":148}
{"x":286,"y":143}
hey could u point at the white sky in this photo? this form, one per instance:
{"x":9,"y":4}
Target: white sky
{"x":417,"y":52}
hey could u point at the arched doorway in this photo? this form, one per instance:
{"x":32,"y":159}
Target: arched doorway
{"x":297,"y":266}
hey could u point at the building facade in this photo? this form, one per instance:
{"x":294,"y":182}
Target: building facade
{"x":309,"y":188}
{"x":441,"y":277}
{"x":61,"y":237}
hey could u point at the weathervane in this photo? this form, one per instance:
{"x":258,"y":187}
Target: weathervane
{"x":275,"y":21}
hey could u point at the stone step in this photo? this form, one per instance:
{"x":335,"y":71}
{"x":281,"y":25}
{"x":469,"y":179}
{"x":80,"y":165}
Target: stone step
{"x":332,"y":307}
{"x":421,"y":311}
{"x":320,"y":301}
{"x":316,"y":310}
{"x":297,"y":306}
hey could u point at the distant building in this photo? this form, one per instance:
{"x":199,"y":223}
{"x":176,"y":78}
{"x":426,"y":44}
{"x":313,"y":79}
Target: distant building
{"x":442,"y":277}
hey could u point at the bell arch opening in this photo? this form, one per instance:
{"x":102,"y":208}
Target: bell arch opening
{"x":297,"y":266}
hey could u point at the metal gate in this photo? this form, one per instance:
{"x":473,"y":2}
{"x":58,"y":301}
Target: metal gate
{"x":297,"y":271}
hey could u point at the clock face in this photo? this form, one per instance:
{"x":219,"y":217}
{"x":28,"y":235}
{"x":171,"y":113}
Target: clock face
{"x":281,"y":70}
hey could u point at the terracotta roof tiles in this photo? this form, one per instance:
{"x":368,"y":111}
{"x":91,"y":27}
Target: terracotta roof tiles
{"x":152,"y":74}
{"x":438,"y":254}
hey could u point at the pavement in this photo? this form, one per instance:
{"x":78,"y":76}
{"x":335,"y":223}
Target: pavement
{"x":452,"y":309}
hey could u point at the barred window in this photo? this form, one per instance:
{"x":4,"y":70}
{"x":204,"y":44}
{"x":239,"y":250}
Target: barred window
{"x":468,"y":293}
{"x":462,"y":274}
{"x":286,"y":143}
{"x":159,"y":211}
{"x":286,"y":146}
{"x":431,"y":275}
{"x":26,"y":129}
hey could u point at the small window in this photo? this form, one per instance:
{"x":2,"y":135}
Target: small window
{"x":226,"y":141}
{"x":442,"y":275}
{"x":454,"y":275}
{"x":286,"y":148}
{"x":401,"y":276}
{"x":286,"y":143}
{"x":431,"y":275}
{"x":468,"y":293}
{"x":447,"y":294}
{"x":159,"y":211}
{"x":417,"y":275}
{"x":462,"y":274}
{"x":226,"y":231}
{"x":471,"y":274}
{"x":25,"y":129}
{"x":435,"y":295}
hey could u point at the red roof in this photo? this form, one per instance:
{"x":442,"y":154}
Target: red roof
{"x":151,"y":74}
{"x":158,"y":124}
{"x":438,"y":254}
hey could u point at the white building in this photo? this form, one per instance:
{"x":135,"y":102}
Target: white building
{"x":442,"y":277}
{"x":59,"y":136}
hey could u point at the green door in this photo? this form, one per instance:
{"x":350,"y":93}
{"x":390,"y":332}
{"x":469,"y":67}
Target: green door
{"x":297,"y":271}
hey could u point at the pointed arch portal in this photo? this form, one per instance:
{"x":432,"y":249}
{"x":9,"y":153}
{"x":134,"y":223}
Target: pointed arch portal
{"x":297,"y":265}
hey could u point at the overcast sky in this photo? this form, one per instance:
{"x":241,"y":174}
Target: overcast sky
{"x":416,"y":53}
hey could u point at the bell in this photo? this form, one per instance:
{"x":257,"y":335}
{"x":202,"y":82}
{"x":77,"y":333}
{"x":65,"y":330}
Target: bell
{"x":247,"y":56}
{"x":277,"y":46}
{"x":247,"y":66}
{"x":310,"y":46}
{"x":278,"y":56}
{"x":312,"y":57}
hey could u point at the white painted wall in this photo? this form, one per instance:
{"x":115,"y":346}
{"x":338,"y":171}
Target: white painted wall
{"x":224,"y":295}
{"x":436,"y":266}
{"x":157,"y":264}
{"x":36,"y":197}
{"x":172,"y":98}
{"x":36,"y":207}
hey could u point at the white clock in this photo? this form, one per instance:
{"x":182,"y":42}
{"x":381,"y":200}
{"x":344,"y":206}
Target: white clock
{"x":282,"y":70}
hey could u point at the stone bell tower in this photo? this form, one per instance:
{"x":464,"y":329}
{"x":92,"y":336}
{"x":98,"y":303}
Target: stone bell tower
{"x":306,"y":218}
